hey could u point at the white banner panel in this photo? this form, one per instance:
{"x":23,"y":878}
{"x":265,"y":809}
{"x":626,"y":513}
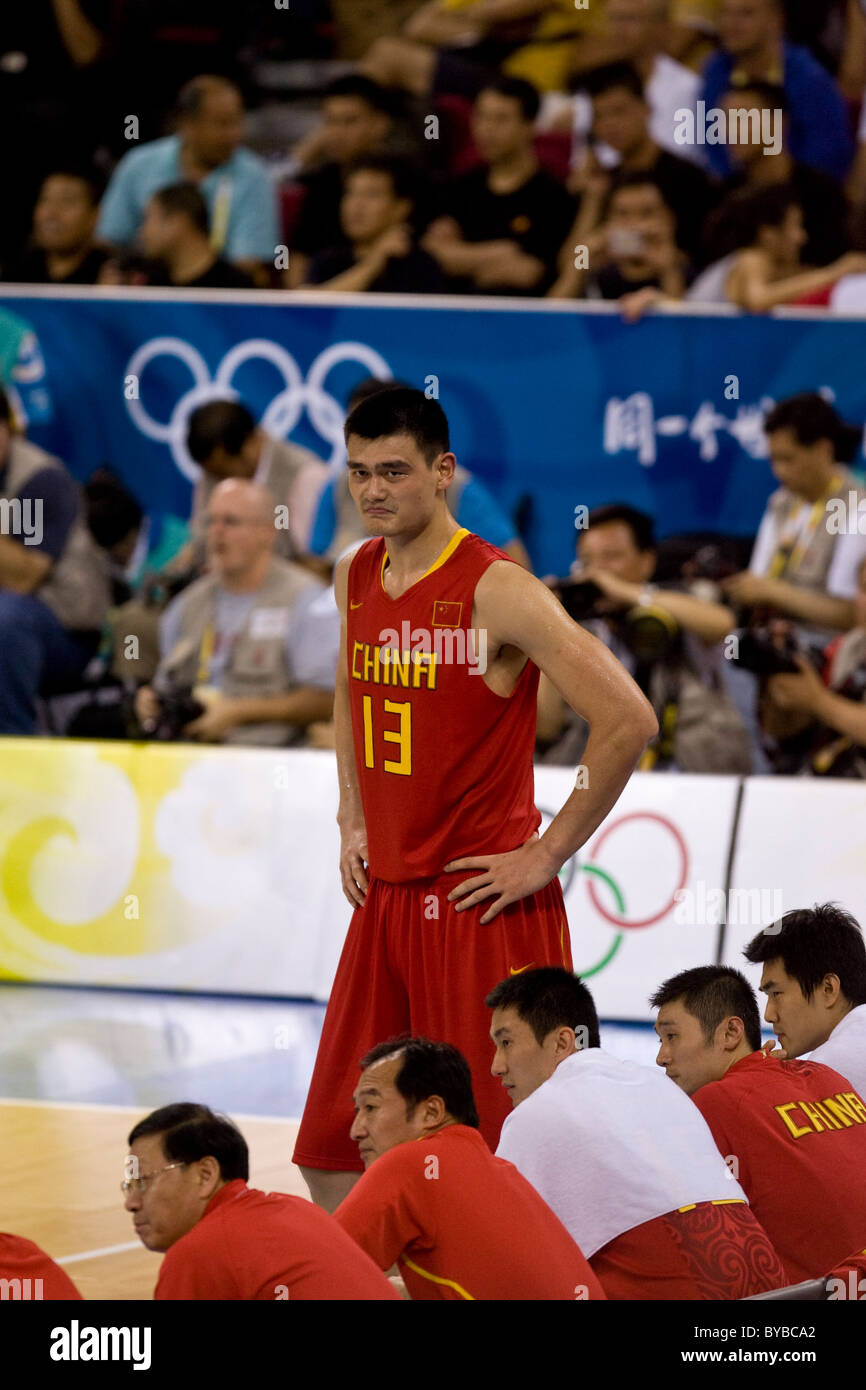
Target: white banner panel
{"x":667,"y":835}
{"x":174,"y":867}
{"x":170,"y":867}
{"x":803,"y":840}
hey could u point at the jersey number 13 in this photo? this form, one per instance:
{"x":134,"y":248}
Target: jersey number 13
{"x":402,"y":766}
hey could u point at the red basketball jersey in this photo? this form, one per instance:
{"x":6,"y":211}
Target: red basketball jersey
{"x":444,"y":764}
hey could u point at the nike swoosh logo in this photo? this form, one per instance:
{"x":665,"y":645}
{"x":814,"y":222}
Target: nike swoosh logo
{"x":356,"y":605}
{"x":512,"y":971}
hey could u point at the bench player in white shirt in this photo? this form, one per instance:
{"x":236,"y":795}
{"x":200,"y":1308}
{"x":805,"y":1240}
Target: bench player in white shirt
{"x":814,"y":977}
{"x":619,"y":1152}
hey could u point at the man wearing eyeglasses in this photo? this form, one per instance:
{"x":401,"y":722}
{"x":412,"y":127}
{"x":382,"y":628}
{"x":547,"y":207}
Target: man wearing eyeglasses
{"x":185,"y":1187}
{"x":253,"y":642}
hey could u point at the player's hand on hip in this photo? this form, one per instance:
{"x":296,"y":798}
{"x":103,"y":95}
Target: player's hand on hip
{"x":506,"y":877}
{"x":354,"y":858}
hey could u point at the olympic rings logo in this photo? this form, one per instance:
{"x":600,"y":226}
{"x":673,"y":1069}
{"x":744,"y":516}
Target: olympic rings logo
{"x":282,"y":415}
{"x":597,"y":875}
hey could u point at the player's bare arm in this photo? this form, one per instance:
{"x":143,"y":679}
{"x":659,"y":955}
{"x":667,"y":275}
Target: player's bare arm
{"x":350,"y":816}
{"x":524,"y":620}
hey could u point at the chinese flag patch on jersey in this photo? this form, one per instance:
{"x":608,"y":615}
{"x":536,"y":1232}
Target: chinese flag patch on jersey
{"x":447,"y":614}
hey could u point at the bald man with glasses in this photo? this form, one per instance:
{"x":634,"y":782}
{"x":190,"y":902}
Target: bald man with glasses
{"x":185,"y":1187}
{"x":254,"y":641}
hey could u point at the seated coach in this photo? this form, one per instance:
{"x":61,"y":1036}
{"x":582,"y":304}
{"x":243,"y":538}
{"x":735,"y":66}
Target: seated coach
{"x":628,"y":1167}
{"x":186,"y":1190}
{"x":460,"y":1223}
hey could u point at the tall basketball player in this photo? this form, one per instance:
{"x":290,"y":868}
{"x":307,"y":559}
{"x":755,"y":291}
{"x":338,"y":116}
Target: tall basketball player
{"x":443,"y":637}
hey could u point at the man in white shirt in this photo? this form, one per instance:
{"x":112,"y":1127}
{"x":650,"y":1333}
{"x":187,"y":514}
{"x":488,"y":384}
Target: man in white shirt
{"x":814,"y":978}
{"x":809,"y":545}
{"x":629,"y":1168}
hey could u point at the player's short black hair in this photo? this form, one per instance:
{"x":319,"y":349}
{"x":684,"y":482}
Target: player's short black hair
{"x":218,"y":425}
{"x":769,"y":94}
{"x":402,"y":410}
{"x":712,"y":993}
{"x":190,"y":1132}
{"x":371,"y":386}
{"x":610,"y":75}
{"x":186,"y":199}
{"x":640,"y":524}
{"x":429,"y":1069}
{"x":813,"y":942}
{"x":364,"y":89}
{"x":810,"y":417}
{"x":403,"y":178}
{"x":515,"y":89}
{"x":549,"y":998}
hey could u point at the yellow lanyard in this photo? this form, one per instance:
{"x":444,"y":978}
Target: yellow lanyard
{"x":205,"y":655}
{"x":221,"y":210}
{"x":789,"y":553}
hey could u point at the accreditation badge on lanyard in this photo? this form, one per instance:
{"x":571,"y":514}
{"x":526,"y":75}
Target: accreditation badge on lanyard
{"x":795,"y":541}
{"x":222,"y":206}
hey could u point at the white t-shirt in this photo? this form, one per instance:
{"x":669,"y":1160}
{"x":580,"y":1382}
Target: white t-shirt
{"x":610,"y":1144}
{"x":845,"y":1049}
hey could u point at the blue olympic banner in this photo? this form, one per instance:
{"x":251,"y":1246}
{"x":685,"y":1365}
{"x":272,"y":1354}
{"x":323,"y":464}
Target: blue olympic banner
{"x":561,"y":405}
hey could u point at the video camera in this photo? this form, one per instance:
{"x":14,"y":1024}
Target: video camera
{"x":177,"y":709}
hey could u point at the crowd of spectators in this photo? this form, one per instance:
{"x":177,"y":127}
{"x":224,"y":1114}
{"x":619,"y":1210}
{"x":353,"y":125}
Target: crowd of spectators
{"x":478,"y":146}
{"x":517,"y":147}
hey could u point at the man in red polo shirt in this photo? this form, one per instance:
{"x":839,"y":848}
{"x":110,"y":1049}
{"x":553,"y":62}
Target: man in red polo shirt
{"x":460,"y":1223}
{"x":186,"y":1189}
{"x":794,"y":1133}
{"x":26,"y":1272}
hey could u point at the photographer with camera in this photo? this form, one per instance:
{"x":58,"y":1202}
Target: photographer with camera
{"x":667,"y":639}
{"x":804,"y":564}
{"x":832,"y":708}
{"x":249,"y":650}
{"x":799,"y":590}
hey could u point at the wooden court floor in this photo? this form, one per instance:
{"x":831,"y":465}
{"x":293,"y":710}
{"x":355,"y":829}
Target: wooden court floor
{"x":61,"y":1165}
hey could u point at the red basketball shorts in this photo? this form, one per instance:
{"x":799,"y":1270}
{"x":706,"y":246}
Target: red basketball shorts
{"x":412,"y":964}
